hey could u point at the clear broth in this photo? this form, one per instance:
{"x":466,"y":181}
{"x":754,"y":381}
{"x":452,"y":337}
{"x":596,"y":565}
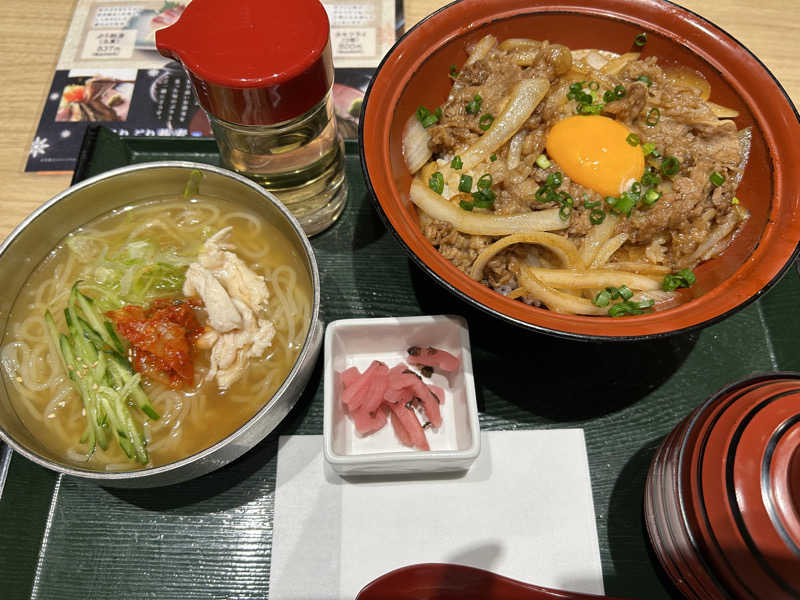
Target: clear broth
{"x":192,"y":419}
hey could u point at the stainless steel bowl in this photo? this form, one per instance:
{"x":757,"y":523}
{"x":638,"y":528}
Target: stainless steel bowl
{"x":35,"y":237}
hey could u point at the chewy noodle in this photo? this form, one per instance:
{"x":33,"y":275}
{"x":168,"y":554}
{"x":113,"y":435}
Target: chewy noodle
{"x":189,"y":419}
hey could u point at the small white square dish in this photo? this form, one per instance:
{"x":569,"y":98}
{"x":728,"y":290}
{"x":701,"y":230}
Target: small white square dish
{"x":454,"y":445}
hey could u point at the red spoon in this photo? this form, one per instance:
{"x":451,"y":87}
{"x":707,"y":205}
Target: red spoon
{"x":438,"y":581}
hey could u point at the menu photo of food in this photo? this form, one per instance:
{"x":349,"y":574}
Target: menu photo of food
{"x":111,"y":72}
{"x":96,"y":96}
{"x":148,"y":21}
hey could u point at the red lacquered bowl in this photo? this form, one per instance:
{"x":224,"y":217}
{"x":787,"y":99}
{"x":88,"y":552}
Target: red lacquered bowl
{"x":722,"y":499}
{"x":415,"y":71}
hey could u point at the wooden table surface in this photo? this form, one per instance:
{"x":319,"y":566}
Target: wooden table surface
{"x":32,"y":31}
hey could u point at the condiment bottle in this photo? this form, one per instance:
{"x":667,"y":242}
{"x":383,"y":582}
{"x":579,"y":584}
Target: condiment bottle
{"x":263,"y":72}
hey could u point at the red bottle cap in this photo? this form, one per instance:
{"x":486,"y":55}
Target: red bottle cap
{"x":253,"y":62}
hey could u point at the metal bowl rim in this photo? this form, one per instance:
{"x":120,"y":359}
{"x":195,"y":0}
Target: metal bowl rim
{"x":305,"y":354}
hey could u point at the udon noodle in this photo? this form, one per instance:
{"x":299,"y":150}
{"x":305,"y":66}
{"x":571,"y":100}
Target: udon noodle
{"x":193,"y":418}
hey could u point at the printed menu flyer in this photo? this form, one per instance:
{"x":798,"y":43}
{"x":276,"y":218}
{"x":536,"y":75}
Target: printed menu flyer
{"x":110,"y":72}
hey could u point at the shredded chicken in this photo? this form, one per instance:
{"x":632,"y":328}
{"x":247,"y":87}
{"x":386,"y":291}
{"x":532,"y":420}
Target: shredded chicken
{"x":235,"y":298}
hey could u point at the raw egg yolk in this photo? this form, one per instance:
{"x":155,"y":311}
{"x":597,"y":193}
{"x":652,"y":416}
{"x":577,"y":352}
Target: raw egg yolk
{"x":594,"y":152}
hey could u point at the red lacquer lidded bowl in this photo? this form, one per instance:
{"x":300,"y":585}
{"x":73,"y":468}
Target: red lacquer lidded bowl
{"x":722,"y":502}
{"x":253,"y":63}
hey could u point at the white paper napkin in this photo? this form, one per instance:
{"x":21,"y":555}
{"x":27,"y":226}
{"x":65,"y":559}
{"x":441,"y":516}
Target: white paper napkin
{"x":524,"y":510}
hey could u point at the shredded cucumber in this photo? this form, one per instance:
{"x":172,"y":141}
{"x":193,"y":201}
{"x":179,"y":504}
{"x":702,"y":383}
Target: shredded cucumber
{"x":93,"y":359}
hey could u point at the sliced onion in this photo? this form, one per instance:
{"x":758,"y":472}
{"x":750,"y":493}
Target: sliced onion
{"x":685,"y":77}
{"x":555,"y":300}
{"x":722,"y":112}
{"x":483,"y":224}
{"x":595,"y":59}
{"x":719,"y":233}
{"x":416,"y":144}
{"x":560,"y":245}
{"x":614,"y":66}
{"x":524,"y":57}
{"x":597,"y":236}
{"x":607,"y":249}
{"x":642,"y":268}
{"x":596,"y":278}
{"x":515,"y":149}
{"x":481,"y":49}
{"x":519,"y":44}
{"x":524,"y":98}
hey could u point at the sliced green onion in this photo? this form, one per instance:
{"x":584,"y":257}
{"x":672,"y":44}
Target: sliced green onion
{"x":608,"y":96}
{"x":682,"y":279}
{"x":648,"y":148}
{"x":542,"y":162}
{"x":430,"y":120}
{"x":466,"y":205}
{"x":653,"y":116}
{"x":655,"y":154}
{"x":465,"y":184}
{"x":670,"y":166}
{"x":597,"y":216}
{"x":633,"y":139}
{"x":453,"y":71}
{"x":644,"y":79}
{"x":734,"y":200}
{"x":456,"y":163}
{"x":590,"y":205}
{"x":619,"y":90}
{"x":629,"y":307}
{"x":554,"y":180}
{"x":486,"y":121}
{"x":590,"y":109}
{"x":474,"y":105}
{"x":614,"y":292}
{"x":542,"y":193}
{"x":636,"y":188}
{"x":483,"y":198}
{"x":625,"y":292}
{"x":577,"y":86}
{"x":436,"y":182}
{"x":640,"y":40}
{"x":717,"y":178}
{"x":422,"y":113}
{"x":651,"y":197}
{"x":602,"y":298}
{"x":493,"y":157}
{"x":650,"y":179}
{"x":593,"y":85}
{"x":624,"y":204}
{"x":484,"y":182}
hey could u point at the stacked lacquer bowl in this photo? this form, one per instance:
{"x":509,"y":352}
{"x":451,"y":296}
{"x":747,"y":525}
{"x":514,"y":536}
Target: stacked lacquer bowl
{"x":722,"y":502}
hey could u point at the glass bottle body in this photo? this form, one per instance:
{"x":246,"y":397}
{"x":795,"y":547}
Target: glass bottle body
{"x":301,"y":161}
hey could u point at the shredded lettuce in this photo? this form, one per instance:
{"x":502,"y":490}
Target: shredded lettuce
{"x":193,"y":184}
{"x":138,"y":273}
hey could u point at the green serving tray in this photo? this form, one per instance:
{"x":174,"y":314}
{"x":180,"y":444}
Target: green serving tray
{"x":211,"y":538}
